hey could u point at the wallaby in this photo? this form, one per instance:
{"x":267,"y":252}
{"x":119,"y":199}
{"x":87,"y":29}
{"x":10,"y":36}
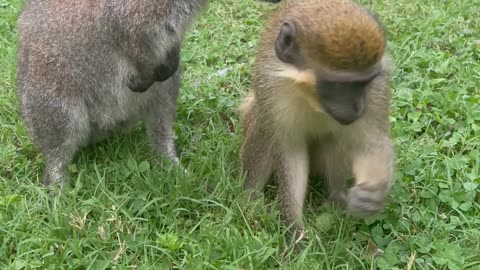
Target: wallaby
{"x":90,"y":68}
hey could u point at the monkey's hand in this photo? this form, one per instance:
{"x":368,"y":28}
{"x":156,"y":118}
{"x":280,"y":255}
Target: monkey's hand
{"x":373,"y":168}
{"x":366,"y":199}
{"x":294,"y":240}
{"x":337,"y":199}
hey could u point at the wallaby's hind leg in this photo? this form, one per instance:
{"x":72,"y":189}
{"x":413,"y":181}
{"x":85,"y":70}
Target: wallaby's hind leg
{"x":57,"y":161}
{"x":161,"y":115}
{"x":59,"y":130}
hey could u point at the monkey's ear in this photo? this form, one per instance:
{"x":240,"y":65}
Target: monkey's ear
{"x":286,"y":46}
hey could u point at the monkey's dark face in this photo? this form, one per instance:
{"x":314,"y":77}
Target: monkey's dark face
{"x":343,"y":101}
{"x":342,"y":94}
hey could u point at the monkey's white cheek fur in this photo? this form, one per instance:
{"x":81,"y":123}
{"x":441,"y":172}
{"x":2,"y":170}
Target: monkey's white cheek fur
{"x":305,"y":86}
{"x":310,"y":95}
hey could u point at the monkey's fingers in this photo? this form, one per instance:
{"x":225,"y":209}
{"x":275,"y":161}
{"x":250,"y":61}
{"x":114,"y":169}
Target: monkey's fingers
{"x":337,"y":199}
{"x":299,"y":235}
{"x":366,"y":200}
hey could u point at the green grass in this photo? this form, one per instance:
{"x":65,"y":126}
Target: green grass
{"x":127,"y":210}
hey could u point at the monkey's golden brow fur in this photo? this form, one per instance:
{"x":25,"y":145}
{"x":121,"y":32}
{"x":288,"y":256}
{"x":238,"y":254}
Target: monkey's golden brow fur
{"x":337,"y":33}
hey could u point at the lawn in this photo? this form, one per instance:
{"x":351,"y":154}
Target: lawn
{"x":130,"y":209}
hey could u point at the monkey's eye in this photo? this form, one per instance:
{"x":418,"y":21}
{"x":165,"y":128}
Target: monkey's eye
{"x":341,"y":93}
{"x":362,"y":84}
{"x":333,"y":86}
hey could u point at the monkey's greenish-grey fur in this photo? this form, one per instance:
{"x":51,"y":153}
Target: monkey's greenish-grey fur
{"x":319,"y":105}
{"x":90,"y":68}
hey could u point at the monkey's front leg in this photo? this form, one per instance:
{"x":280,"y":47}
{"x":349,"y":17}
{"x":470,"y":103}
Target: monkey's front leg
{"x":149,"y":72}
{"x":329,"y":160}
{"x":292,"y":175}
{"x":373,"y":169}
{"x":256,"y":160}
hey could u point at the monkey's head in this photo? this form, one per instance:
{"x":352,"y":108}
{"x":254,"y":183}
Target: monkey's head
{"x":339,"y":45}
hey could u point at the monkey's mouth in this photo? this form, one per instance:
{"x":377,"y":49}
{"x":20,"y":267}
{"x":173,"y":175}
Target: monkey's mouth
{"x":344,"y":114}
{"x":343,"y":101}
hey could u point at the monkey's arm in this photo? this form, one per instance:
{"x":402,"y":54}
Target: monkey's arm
{"x":373,"y":166}
{"x":255,"y":153}
{"x":292,"y":176}
{"x":256,"y":161}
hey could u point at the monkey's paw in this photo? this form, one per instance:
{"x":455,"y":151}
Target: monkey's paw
{"x":294,"y":240}
{"x":337,"y":199}
{"x":365,"y":200}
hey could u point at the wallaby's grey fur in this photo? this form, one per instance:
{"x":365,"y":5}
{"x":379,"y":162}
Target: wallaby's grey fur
{"x":83,"y":64}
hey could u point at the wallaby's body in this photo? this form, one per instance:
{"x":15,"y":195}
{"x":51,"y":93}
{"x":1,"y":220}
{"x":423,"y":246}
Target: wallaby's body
{"x":89,"y":68}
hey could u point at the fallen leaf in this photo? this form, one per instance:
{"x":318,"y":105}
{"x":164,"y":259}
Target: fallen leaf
{"x":373,"y":250}
{"x":411,"y":260}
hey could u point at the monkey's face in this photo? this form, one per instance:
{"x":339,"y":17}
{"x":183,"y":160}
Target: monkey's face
{"x":340,"y":93}
{"x":344,"y":101}
{"x":343,"y":94}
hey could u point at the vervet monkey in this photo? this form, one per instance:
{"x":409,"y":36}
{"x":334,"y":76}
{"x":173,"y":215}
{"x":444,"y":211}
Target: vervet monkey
{"x":320,"y":106}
